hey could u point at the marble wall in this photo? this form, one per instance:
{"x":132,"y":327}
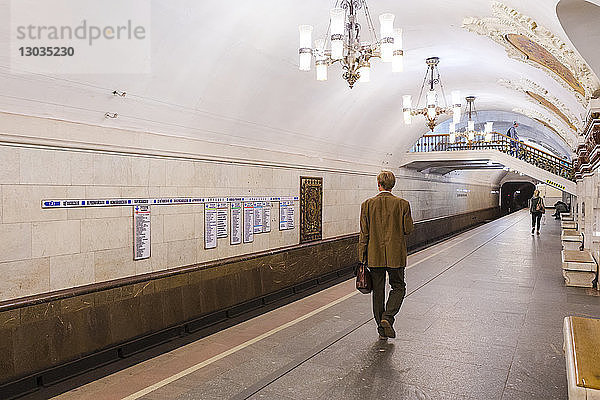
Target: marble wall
{"x":44,"y":250}
{"x":588,"y":211}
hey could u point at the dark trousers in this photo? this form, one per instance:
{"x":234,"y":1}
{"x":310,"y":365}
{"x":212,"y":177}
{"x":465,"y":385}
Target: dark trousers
{"x":388,"y":310}
{"x":536,"y":217}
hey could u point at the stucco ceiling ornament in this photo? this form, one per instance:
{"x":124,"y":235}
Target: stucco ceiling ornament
{"x":567,"y":135}
{"x":535,"y":45}
{"x":538,"y":95}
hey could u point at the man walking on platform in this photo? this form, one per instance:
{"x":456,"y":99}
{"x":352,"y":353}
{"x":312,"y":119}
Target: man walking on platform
{"x":385,"y":221}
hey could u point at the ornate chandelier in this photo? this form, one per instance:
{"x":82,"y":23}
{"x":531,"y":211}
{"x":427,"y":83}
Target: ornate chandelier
{"x":344,"y":38}
{"x":431,"y":109}
{"x":469,"y":133}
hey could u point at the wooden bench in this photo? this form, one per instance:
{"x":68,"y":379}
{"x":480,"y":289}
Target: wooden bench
{"x":568,"y":224}
{"x":566,"y":217}
{"x":579,"y":268}
{"x":571,"y":239}
{"x":582,"y":357}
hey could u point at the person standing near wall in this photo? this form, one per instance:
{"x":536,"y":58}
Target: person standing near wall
{"x":385,"y":220}
{"x":536,"y":208}
{"x":514,"y":143}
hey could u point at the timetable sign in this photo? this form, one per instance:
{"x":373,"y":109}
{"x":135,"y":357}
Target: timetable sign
{"x":141,"y":232}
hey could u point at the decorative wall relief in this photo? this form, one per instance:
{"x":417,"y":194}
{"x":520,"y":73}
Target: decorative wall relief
{"x":311,"y":209}
{"x":525,"y":40}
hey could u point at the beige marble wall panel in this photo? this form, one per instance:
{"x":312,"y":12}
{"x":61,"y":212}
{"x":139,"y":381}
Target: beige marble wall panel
{"x":113,"y":263}
{"x":159,"y":256}
{"x":22,"y":203}
{"x":106,"y":233}
{"x":38,"y":166}
{"x":24,"y":278}
{"x":157,"y":172}
{"x":112,"y":170}
{"x":55,"y":238}
{"x":9,"y":160}
{"x":15,"y":242}
{"x":180,"y":173}
{"x":71,"y":270}
{"x":181,"y":252}
{"x":179,"y":227}
{"x":82,"y":168}
{"x":140,"y":171}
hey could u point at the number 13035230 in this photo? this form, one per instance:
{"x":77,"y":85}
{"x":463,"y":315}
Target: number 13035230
{"x":48,"y":51}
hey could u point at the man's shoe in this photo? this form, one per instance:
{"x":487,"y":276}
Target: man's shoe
{"x":387,"y":328}
{"x":538,"y":232}
{"x":382,"y":337}
{"x":532,"y":230}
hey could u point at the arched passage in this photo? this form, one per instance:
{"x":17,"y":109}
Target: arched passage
{"x":515,"y":195}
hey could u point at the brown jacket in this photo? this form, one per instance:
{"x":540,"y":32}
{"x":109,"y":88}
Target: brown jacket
{"x":385,"y":220}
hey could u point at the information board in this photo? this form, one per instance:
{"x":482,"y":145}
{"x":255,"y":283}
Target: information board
{"x":236,"y":222}
{"x":258,"y":216}
{"x":141,"y":232}
{"x":286,"y":215}
{"x":266,"y":217}
{"x":222,"y":211}
{"x":210,"y":225}
{"x":248,"y":222}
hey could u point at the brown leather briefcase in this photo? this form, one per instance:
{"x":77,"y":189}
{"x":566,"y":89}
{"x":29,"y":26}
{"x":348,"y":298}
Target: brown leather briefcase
{"x":364,"y":284}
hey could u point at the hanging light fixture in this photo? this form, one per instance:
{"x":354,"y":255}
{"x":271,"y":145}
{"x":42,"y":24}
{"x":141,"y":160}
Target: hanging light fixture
{"x":344,"y":37}
{"x":432,"y":109}
{"x":470,"y":133}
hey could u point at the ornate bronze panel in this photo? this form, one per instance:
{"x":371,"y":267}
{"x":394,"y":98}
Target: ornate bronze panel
{"x":540,"y":55}
{"x":551,"y":107}
{"x":311,"y":209}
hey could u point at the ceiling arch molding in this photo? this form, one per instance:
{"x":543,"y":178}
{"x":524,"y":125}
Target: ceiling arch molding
{"x":540,"y":96}
{"x":537,"y":46}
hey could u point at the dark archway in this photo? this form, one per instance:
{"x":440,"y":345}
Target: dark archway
{"x":515,"y":195}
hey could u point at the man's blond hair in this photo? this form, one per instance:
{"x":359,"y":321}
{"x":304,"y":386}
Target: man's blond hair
{"x":386,"y":180}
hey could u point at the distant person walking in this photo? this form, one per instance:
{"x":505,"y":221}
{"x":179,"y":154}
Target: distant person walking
{"x":385,"y":221}
{"x":514,"y":143}
{"x":536,"y":208}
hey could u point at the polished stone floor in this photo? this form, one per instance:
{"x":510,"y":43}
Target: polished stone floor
{"x":482,"y":320}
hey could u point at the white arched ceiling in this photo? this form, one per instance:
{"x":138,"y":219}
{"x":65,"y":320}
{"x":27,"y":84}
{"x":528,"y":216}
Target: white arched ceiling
{"x":581,"y":21}
{"x":228,"y":72}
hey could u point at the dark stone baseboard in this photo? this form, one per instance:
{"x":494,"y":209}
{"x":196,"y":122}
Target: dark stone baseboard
{"x":48,"y":338}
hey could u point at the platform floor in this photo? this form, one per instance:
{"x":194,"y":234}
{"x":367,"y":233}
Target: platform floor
{"x":482,"y":320}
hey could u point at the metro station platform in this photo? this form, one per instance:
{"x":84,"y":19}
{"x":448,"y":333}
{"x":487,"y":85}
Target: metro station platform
{"x":482,"y":320}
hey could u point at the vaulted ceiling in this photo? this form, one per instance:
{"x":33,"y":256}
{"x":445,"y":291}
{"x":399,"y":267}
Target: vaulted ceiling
{"x":228,"y":72}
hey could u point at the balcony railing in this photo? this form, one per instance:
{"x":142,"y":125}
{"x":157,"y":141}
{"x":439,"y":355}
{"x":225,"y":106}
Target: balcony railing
{"x":503,"y":143}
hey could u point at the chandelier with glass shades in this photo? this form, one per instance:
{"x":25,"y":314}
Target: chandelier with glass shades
{"x":469,"y":132}
{"x":347,"y":46}
{"x":431,"y":109}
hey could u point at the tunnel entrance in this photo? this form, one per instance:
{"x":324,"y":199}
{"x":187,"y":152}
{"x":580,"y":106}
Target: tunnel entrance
{"x":515,"y":195}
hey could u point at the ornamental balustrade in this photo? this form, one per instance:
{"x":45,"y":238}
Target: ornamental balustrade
{"x":500,"y":142}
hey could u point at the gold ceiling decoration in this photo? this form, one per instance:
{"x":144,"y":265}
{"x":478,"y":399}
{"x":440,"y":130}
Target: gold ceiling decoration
{"x":537,"y":46}
{"x":540,"y":55}
{"x":540,"y":96}
{"x":551,"y":107}
{"x":547,"y":125}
